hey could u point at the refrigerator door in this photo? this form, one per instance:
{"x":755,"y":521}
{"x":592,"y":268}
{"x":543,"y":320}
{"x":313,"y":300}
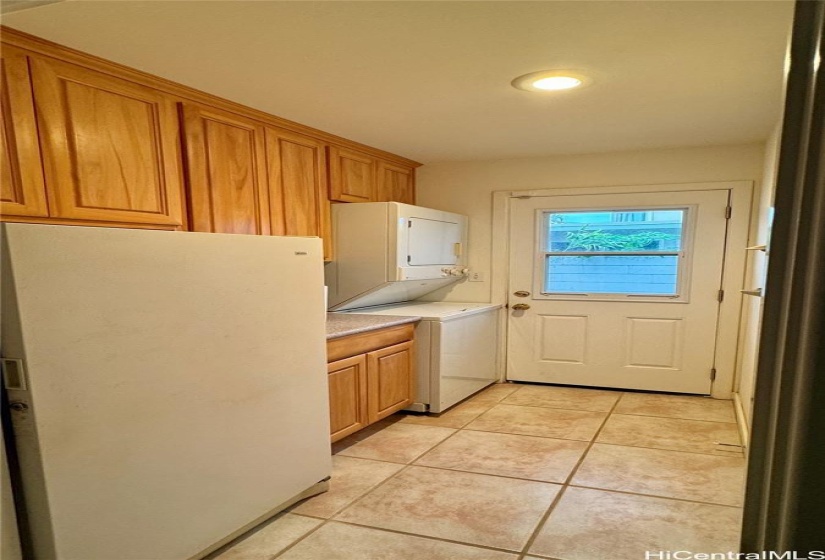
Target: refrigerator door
{"x":175,"y":384}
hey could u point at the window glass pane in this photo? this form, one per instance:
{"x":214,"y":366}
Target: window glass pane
{"x":611,"y":274}
{"x":617,"y":230}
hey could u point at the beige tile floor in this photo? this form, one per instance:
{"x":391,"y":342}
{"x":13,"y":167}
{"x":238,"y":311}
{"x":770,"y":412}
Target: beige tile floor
{"x":524,"y":472}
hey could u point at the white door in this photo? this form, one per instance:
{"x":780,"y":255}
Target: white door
{"x":616,"y":290}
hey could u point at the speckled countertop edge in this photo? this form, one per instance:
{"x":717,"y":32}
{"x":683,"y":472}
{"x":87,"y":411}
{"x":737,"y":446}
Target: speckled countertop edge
{"x":344,"y":324}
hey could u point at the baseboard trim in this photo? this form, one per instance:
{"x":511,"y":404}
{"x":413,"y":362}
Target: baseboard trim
{"x":742,"y":423}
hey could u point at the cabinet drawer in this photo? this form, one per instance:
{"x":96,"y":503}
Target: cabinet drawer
{"x":362,"y":343}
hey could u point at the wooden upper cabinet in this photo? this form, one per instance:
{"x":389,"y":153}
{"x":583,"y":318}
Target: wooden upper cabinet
{"x":297,"y":173}
{"x":351,"y":175}
{"x":110,"y":147}
{"x":226,"y":172}
{"x":395,"y":183}
{"x":22,"y":188}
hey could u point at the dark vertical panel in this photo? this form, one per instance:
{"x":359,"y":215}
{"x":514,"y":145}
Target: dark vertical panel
{"x":785,"y":501}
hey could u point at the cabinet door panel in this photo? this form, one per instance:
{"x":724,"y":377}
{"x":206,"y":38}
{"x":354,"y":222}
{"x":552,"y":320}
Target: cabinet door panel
{"x":347,"y":396}
{"x":110,"y":147}
{"x":297,"y":184}
{"x":395,"y":183}
{"x":226,"y":170}
{"x":22,"y":188}
{"x":391,"y":381}
{"x":351,"y":176}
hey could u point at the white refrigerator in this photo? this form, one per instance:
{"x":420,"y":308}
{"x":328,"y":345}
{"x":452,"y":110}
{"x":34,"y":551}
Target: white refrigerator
{"x":167,"y":390}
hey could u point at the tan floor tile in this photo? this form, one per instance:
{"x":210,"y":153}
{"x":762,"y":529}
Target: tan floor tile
{"x":471,"y":508}
{"x":535,"y":421}
{"x":672,"y":474}
{"x":494,"y":393}
{"x":571,"y":398}
{"x":677,"y":406}
{"x":457,"y":417}
{"x":337,"y":541}
{"x":271,"y":539}
{"x":669,"y":433}
{"x":397,"y":443}
{"x":351,"y":478}
{"x":594,"y":525}
{"x":535,"y":458}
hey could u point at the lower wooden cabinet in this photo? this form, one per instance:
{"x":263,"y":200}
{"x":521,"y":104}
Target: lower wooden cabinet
{"x":389,"y":380}
{"x":377,"y":380}
{"x":347,"y":396}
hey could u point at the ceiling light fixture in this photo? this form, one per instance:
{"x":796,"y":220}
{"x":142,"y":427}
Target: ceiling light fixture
{"x":549,"y":80}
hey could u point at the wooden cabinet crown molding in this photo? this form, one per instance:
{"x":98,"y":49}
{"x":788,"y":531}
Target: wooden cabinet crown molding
{"x":47,"y":48}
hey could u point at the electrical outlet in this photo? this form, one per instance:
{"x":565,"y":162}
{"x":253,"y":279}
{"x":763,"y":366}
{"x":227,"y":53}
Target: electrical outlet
{"x":476,"y":276}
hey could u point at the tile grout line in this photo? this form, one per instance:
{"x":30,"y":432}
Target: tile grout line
{"x":508,"y":477}
{"x":563,"y":485}
{"x":566,"y":484}
{"x":525,"y":434}
{"x":330,"y":519}
{"x":406,"y":466}
{"x":327,"y":520}
{"x":675,"y":418}
{"x":619,"y":413}
{"x":727,"y":454}
{"x":657,"y":496}
{"x":428,"y":537}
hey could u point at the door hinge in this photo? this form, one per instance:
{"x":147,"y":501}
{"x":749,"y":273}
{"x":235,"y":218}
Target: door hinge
{"x":728,"y":212}
{"x":721,"y":296}
{"x":409,"y":223}
{"x":409,"y":259}
{"x":713,"y":374}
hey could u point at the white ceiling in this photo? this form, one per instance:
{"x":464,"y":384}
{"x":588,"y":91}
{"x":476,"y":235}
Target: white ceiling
{"x":431,"y":80}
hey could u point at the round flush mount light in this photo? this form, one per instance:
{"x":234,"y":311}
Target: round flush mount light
{"x":550,"y":80}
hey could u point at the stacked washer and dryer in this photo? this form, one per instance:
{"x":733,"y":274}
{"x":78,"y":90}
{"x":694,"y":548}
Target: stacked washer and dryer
{"x":388,"y":254}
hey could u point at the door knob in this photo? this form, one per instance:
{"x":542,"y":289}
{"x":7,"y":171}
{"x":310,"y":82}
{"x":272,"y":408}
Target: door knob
{"x":521,"y":293}
{"x":520,"y":307}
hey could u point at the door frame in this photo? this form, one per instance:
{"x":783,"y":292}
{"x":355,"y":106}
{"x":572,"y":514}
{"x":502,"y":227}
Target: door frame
{"x":733,"y":275}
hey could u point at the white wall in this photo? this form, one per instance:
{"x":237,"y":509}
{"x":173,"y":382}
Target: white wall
{"x":757,"y":263}
{"x":467,"y":187}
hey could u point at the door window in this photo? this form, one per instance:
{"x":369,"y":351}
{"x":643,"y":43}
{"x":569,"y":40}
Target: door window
{"x":622,"y":253}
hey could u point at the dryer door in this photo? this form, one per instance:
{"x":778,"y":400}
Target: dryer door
{"x":433,"y":242}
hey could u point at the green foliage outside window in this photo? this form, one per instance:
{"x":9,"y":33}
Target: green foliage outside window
{"x":598,"y":240}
